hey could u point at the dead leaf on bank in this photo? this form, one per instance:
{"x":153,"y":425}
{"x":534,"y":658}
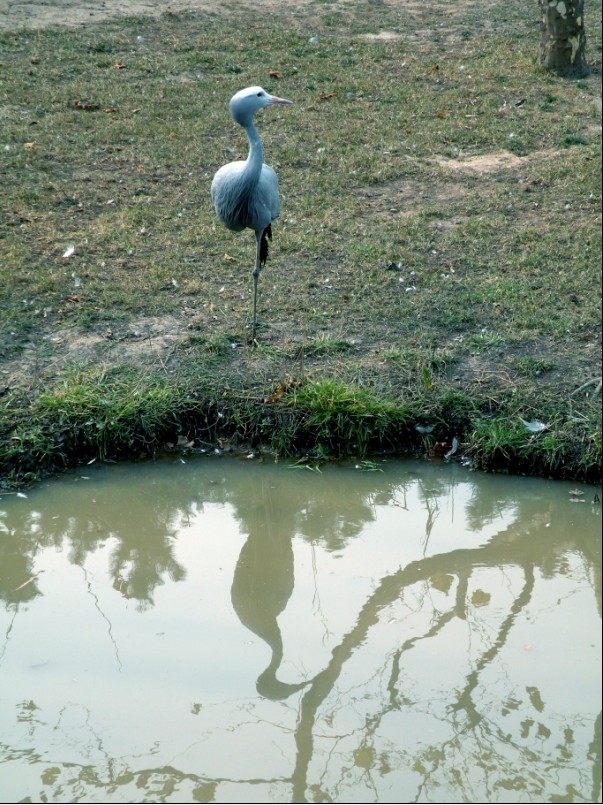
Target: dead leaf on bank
{"x":29,"y":145}
{"x":288,"y":382}
{"x":229,"y":258}
{"x":275,"y":74}
{"x":324,"y":96}
{"x":119,"y":65}
{"x":440,"y":449}
{"x":442,"y":115}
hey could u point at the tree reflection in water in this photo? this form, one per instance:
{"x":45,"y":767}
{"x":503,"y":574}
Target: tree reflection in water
{"x":422,"y":696}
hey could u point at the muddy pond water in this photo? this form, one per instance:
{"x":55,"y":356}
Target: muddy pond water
{"x":229,"y":630}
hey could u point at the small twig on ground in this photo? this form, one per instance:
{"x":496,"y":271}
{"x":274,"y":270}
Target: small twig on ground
{"x":588,"y":383}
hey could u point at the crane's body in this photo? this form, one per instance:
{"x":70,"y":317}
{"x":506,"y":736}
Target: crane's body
{"x":245,"y":192}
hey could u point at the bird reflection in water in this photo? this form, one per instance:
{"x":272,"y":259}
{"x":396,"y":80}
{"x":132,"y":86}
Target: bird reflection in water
{"x":262,"y":585}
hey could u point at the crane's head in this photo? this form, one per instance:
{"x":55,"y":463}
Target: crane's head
{"x":247,"y":102}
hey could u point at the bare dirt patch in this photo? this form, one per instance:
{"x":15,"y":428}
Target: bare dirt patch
{"x":384,"y":36}
{"x":34,"y":14}
{"x":408,"y":196}
{"x":484,"y":163}
{"x":148,"y":342}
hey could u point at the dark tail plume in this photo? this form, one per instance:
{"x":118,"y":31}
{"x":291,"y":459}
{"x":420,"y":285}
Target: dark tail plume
{"x":266,"y":236}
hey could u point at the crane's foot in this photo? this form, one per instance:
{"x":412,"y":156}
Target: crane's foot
{"x":253,"y":332}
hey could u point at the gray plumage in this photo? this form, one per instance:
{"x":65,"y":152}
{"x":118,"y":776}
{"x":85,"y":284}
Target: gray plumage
{"x":245,"y":193}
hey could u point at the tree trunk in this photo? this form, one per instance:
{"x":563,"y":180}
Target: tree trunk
{"x":562,"y":40}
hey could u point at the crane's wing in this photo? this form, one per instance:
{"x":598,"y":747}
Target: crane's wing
{"x":268,"y":191}
{"x":227,"y":187}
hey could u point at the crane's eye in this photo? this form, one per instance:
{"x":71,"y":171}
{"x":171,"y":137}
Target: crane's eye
{"x":259,"y":94}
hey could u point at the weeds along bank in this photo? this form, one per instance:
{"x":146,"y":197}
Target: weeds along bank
{"x":434,"y":279}
{"x":109,"y":415}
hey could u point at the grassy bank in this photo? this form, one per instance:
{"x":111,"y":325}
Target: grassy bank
{"x":434,"y":277}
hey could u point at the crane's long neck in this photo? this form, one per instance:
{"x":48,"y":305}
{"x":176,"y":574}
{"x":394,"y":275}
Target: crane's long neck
{"x":255,"y":159}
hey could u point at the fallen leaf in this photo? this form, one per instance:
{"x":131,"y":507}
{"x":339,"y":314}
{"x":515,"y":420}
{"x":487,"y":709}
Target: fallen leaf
{"x":440,"y":448}
{"x":29,"y":145}
{"x":323,"y":96}
{"x":275,"y":74}
{"x":285,"y":384}
{"x":86,"y":106}
{"x":276,"y":396}
{"x":229,"y":258}
{"x":119,"y":65}
{"x":442,"y":115}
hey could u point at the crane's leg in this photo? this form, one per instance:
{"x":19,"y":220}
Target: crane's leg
{"x":261,"y":256}
{"x":256,"y":276}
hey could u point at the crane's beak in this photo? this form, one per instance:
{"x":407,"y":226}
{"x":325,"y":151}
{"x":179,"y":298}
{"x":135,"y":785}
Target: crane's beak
{"x":273,"y":99}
